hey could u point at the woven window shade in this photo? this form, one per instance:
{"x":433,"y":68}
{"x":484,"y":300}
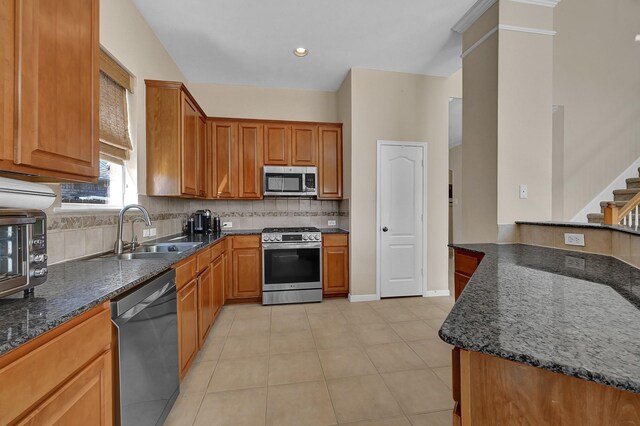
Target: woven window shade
{"x":115,"y":143}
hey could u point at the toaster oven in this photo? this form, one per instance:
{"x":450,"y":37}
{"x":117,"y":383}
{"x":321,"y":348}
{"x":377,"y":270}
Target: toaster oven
{"x":23,"y":250}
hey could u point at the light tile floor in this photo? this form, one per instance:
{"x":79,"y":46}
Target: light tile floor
{"x":376,"y":364}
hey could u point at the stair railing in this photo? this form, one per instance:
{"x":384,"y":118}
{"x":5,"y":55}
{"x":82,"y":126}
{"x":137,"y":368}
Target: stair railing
{"x":626,"y":216}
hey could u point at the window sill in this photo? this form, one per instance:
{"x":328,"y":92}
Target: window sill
{"x":93,"y":208}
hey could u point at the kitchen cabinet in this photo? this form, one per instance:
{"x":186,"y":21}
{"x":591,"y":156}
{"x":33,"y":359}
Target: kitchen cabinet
{"x":246,"y":282}
{"x":205,"y":304}
{"x":335,"y":265}
{"x":188,"y":337}
{"x":330,"y":162}
{"x":223,"y":137}
{"x":173,"y":145}
{"x":277,"y":144}
{"x":50,"y":96}
{"x":202,"y":172}
{"x":65,"y":374}
{"x":250,"y":146}
{"x":218,"y":276}
{"x":304,"y":145}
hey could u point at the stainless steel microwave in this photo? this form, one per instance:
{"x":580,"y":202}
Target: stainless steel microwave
{"x":290,"y":181}
{"x":23,"y":250}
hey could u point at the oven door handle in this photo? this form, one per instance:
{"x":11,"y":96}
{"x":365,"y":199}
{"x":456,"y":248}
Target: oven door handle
{"x":17,"y":221}
{"x":286,"y":246}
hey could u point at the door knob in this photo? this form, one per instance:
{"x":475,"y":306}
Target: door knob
{"x":385,"y":229}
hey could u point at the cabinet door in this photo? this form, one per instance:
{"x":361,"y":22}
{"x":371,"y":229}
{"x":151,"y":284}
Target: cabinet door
{"x":247,"y":276}
{"x":225,"y":159}
{"x":460,"y":282}
{"x":250,"y":160}
{"x":84,"y":400}
{"x":7,"y":28}
{"x":304,"y":145}
{"x":218,"y":278}
{"x":203,"y":169}
{"x":277,"y":144}
{"x":58,"y":85}
{"x":187,"y":325}
{"x":189,"y":164}
{"x":335,"y":270}
{"x":205,"y":304}
{"x":329,"y":162}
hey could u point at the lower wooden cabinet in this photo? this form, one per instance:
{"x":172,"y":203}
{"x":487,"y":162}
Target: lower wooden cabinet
{"x":246,"y":280}
{"x":205,"y":304}
{"x":335,"y":265}
{"x":218,"y":274}
{"x":61,"y":377}
{"x":188,"y":336}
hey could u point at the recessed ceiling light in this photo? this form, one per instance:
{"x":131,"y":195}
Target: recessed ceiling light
{"x":300,"y":52}
{"x":637,"y":37}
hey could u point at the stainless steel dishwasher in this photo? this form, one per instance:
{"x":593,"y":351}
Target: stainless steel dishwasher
{"x":147,"y":324}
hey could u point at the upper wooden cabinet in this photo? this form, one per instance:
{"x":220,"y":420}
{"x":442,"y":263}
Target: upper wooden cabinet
{"x":330,"y":162}
{"x":250,"y":160}
{"x":50,"y":88}
{"x":173,"y":128}
{"x":304,"y":145}
{"x":223,"y":140}
{"x":202,"y":173}
{"x":277,"y":144}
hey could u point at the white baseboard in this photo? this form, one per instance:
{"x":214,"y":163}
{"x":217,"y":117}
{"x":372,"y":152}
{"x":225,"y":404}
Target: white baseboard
{"x":363,"y":297}
{"x":437,"y":293}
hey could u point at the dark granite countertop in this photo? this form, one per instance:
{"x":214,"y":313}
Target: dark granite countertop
{"x":76,"y":286}
{"x":573,"y":313}
{"x":333,"y":231}
{"x":625,"y":229}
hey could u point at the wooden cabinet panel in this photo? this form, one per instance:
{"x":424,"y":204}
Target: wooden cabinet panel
{"x":335,"y":270}
{"x":304,"y":145}
{"x":189,"y":153}
{"x":335,"y":240}
{"x":225,"y":159}
{"x":186,"y":271}
{"x":202,"y":171}
{"x":188,"y":338}
{"x":247,"y":273}
{"x":7,"y":88}
{"x":460,"y":282}
{"x":218,"y":278}
{"x":250,"y":160}
{"x":57,"y":85}
{"x":277,"y":144}
{"x":329,"y":162}
{"x":205,"y":304}
{"x":203,"y":258}
{"x":245,"y":241}
{"x":85,"y":400}
{"x":465,"y":263}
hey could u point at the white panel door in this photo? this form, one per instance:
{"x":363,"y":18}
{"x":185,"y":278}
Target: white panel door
{"x":401,"y":220}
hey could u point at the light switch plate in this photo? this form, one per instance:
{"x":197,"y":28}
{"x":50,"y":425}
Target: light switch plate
{"x":574,"y":239}
{"x":524,"y":192}
{"x":152,"y":232}
{"x":227,"y":224}
{"x":331,"y":223}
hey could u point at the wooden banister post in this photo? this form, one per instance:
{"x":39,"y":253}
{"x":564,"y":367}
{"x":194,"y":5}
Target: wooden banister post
{"x":611,"y":214}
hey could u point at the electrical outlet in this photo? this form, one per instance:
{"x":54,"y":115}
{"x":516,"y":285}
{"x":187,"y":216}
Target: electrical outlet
{"x":146,"y":232}
{"x":574,"y":239}
{"x":153,"y":232}
{"x":227,"y":224}
{"x":524,"y":192}
{"x":331,"y":223}
{"x":574,"y":262}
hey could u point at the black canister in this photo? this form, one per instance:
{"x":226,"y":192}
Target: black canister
{"x":217,"y":225}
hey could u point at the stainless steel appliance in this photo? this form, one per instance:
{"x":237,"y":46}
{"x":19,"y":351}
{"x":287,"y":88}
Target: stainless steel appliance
{"x":23,"y":250}
{"x":291,"y":265}
{"x":202,"y":221}
{"x":147,"y":325}
{"x":290,"y":181}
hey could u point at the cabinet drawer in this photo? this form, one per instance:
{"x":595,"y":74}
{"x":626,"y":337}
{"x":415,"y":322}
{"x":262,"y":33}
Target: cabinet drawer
{"x":186,"y":271}
{"x":466,"y":263}
{"x":331,"y":240}
{"x":203,"y":259}
{"x":37,"y":373}
{"x":217,"y":250}
{"x":246,"y":241}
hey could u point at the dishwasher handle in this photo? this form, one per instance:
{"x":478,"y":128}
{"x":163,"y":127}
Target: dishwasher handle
{"x":125,"y":307}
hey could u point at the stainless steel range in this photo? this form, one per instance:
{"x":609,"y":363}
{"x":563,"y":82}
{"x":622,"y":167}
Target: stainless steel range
{"x":291,"y":265}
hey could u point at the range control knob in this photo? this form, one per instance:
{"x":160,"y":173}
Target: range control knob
{"x":317,"y":237}
{"x":40,"y":258}
{"x":38,"y":273}
{"x":38,"y":242}
{"x":279,"y":238}
{"x":272,"y":238}
{"x":265,"y":238}
{"x":305,"y":237}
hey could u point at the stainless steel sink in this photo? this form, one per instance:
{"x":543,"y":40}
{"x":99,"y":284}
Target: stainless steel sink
{"x":146,"y":255}
{"x":166,"y":247}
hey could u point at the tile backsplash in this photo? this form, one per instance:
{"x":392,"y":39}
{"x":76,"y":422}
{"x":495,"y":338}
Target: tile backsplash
{"x":75,"y":235}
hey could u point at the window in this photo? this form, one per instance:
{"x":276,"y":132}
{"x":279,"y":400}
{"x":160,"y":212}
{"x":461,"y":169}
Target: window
{"x":115,"y":143}
{"x":108,"y":191}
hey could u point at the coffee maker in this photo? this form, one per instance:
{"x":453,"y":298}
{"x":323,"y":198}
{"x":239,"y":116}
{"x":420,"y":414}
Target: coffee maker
{"x":202,"y":222}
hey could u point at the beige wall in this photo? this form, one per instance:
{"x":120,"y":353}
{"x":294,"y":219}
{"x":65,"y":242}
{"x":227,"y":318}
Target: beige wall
{"x":455,"y":165}
{"x":596,"y":67}
{"x":399,"y":107}
{"x":219,"y":100}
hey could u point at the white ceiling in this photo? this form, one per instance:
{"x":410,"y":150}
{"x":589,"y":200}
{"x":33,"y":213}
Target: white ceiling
{"x":251,"y":42}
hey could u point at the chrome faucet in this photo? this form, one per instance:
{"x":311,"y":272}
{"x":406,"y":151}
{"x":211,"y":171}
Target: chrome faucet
{"x":118,"y":247}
